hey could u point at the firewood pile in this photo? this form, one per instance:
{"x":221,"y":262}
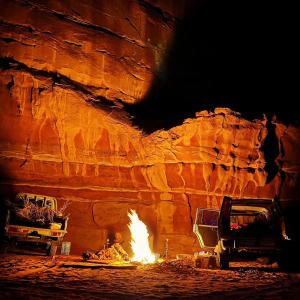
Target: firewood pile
{"x":31,"y":213}
{"x":115,"y":252}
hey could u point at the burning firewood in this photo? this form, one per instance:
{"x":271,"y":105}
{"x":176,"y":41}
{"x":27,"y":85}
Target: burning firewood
{"x":115,"y":252}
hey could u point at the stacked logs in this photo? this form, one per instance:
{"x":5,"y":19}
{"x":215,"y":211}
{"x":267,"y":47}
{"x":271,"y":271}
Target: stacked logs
{"x":115,"y":252}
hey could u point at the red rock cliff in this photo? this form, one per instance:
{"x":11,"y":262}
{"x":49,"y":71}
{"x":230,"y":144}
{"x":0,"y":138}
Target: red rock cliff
{"x":67,"y":69}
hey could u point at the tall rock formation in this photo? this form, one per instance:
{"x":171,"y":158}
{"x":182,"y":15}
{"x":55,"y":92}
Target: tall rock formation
{"x":68,"y":70}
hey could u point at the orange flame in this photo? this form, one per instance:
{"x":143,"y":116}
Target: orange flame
{"x":139,"y":240}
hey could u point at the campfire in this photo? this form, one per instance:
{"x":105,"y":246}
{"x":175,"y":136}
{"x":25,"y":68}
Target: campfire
{"x":139,"y":244}
{"x":139,"y":240}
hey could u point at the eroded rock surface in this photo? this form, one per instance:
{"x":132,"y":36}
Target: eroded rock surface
{"x":66,"y":72}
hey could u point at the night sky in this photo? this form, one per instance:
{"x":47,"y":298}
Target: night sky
{"x":236,"y":54}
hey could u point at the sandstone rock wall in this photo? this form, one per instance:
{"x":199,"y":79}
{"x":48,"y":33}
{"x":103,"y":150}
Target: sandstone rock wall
{"x":67,"y":67}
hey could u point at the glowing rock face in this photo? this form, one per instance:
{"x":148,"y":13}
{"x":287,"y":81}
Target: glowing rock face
{"x":139,"y":240}
{"x":54,"y":142}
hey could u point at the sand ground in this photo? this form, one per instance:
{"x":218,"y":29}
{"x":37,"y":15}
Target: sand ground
{"x":40,"y":277}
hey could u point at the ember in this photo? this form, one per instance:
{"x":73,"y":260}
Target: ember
{"x":139,"y":240}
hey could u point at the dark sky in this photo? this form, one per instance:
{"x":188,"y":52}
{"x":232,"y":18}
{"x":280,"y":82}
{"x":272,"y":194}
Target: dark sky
{"x":236,"y":54}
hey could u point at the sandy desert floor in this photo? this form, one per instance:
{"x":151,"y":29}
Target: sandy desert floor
{"x":39,"y":277}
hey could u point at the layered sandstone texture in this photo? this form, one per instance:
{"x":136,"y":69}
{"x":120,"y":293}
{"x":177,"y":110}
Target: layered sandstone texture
{"x":67,"y":67}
